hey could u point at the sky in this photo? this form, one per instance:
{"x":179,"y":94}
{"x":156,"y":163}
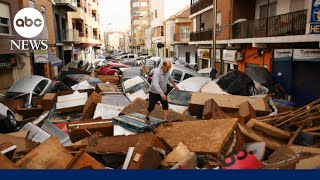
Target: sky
{"x":115,"y":14}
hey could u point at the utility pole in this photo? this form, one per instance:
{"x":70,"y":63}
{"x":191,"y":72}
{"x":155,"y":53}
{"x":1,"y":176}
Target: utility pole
{"x":214,"y":36}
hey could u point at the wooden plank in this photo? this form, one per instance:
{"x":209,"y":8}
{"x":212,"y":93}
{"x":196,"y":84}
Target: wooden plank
{"x":274,"y":116}
{"x":201,"y":137}
{"x":246,"y":112}
{"x":23,"y":145}
{"x":309,"y":163}
{"x":227,"y":102}
{"x":19,"y":134}
{"x":82,"y":160}
{"x":49,"y":155}
{"x":211,"y":110}
{"x":269,"y":129}
{"x":304,"y":121}
{"x":271,"y":143}
{"x":103,"y":88}
{"x":295,"y":135}
{"x":111,"y":79}
{"x":5,"y":163}
{"x":317,"y":128}
{"x":314,"y":133}
{"x":140,"y":106}
{"x":90,"y":105}
{"x":304,"y":149}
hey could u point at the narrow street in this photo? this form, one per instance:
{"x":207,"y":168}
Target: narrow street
{"x":159,"y":84}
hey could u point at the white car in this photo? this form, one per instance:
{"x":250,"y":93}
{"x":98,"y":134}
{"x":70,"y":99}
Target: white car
{"x":8,"y":122}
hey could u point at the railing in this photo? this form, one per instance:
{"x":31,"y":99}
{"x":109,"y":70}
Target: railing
{"x":204,"y":35}
{"x":182,"y":37}
{"x":200,"y":5}
{"x":70,"y":35}
{"x":282,"y":25}
{"x":74,"y":3}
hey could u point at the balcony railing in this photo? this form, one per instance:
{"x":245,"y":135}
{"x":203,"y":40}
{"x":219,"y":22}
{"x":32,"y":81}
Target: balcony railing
{"x":70,"y":35}
{"x":71,"y":5}
{"x":200,"y":5}
{"x":282,"y":25}
{"x":204,"y":35}
{"x":182,"y":37}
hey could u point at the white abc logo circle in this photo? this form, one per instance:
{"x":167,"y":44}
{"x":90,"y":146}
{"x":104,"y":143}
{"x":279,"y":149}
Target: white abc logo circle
{"x":28,"y":22}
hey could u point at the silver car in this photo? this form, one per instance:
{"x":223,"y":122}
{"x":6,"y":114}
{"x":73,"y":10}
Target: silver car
{"x":8,"y":122}
{"x":28,"y":87}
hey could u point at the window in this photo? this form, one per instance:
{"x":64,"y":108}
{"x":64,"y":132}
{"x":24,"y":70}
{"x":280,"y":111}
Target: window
{"x":187,"y":76}
{"x":143,"y":13}
{"x":40,"y":87}
{"x":135,"y":4}
{"x":176,"y":75}
{"x":144,"y":4}
{"x":5,"y":25}
{"x":136,"y":13}
{"x":219,"y":21}
{"x":272,"y":10}
{"x":156,"y":14}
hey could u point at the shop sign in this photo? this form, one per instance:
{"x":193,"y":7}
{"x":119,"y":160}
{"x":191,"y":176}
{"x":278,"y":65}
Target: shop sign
{"x":204,"y":53}
{"x":315,"y":17}
{"x":306,"y":55}
{"x":229,"y":55}
{"x":282,"y":54}
{"x":41,"y":56}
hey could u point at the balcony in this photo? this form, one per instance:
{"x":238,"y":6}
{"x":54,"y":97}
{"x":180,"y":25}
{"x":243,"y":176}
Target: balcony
{"x":282,"y":25}
{"x":67,"y":5}
{"x":182,"y":38}
{"x":200,"y":5}
{"x":204,"y":35}
{"x":70,"y":35}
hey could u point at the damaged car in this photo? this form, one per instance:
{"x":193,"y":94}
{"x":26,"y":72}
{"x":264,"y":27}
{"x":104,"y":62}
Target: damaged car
{"x":8,"y":122}
{"x":28,"y":87}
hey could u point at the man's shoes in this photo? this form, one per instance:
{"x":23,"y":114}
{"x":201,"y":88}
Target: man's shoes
{"x":147,"y":120}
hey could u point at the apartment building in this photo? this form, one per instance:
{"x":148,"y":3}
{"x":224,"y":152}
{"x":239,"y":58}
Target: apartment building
{"x":65,"y":38}
{"x":160,"y":11}
{"x":86,"y":21}
{"x":262,"y":33}
{"x":177,"y":35}
{"x":140,"y":18}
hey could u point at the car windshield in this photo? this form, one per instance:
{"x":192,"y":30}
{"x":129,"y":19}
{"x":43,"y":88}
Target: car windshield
{"x":181,"y":98}
{"x":143,"y":85}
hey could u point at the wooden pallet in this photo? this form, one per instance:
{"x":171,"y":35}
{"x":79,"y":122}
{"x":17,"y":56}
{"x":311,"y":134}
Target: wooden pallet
{"x":135,"y":122}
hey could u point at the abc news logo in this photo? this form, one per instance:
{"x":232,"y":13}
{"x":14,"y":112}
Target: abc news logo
{"x":29,"y":23}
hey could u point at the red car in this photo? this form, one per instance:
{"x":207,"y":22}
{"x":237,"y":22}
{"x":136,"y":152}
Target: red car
{"x":111,"y":68}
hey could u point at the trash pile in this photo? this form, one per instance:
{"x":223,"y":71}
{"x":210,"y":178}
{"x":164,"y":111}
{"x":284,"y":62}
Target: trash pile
{"x":104,"y":128}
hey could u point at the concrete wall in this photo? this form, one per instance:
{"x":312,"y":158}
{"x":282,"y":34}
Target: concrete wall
{"x":159,"y":6}
{"x":169,"y":32}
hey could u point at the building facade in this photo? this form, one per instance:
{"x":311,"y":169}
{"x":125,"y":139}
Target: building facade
{"x":140,"y":18}
{"x":86,"y":21}
{"x":177,"y":35}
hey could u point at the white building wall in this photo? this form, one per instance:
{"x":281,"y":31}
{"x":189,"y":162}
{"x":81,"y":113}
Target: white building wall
{"x":170,"y":25}
{"x":157,"y":5}
{"x":181,"y":54}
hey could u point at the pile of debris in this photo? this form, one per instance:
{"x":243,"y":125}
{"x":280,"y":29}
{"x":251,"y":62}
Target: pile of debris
{"x":105,"y":129}
{"x":98,"y":123}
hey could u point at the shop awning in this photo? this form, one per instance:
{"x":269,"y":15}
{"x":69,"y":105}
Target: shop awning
{"x":55,"y":61}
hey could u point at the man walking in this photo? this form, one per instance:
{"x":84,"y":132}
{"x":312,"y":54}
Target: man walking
{"x":160,"y":79}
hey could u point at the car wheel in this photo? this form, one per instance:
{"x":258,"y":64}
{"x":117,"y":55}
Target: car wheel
{"x":11,"y":121}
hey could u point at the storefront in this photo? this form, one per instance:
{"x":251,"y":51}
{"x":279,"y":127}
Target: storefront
{"x":306,"y":83}
{"x":282,"y":68}
{"x":230,"y":58}
{"x":204,"y":57}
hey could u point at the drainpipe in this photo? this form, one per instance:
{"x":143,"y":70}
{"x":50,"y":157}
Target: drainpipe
{"x":267,"y":24}
{"x":214,"y":31}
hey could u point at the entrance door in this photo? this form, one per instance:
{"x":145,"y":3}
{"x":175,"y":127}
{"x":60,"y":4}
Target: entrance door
{"x":67,"y":56}
{"x":188,"y":57}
